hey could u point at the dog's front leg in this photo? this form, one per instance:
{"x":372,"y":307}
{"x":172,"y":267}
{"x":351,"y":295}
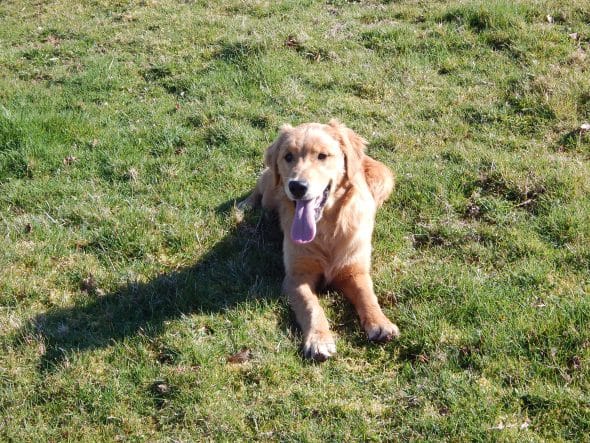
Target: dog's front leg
{"x":357,"y":286}
{"x":318,"y":342}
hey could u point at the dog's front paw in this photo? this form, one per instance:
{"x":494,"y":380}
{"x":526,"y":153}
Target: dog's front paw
{"x":319,"y":346}
{"x":381,"y":330}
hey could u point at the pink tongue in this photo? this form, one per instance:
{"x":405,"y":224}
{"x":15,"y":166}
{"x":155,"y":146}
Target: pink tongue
{"x":303,"y":227}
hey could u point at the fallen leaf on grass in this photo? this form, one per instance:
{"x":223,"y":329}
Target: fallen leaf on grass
{"x":574,"y":36}
{"x":473,"y":210}
{"x":585,"y":127}
{"x":161,"y":388}
{"x":444,"y":411}
{"x":185,"y":369}
{"x":53,"y":40}
{"x":575,"y":362}
{"x":422,"y":358}
{"x":205,"y":330}
{"x":132,"y":174}
{"x":465,"y":351}
{"x":88,"y":284}
{"x":69,"y":160}
{"x":292,"y":42}
{"x":166,"y":358}
{"x":243,"y":356}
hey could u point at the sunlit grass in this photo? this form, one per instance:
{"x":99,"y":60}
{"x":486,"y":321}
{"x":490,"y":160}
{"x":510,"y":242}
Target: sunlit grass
{"x":129,"y":129}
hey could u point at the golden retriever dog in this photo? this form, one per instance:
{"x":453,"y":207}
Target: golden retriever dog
{"x":326,"y":191}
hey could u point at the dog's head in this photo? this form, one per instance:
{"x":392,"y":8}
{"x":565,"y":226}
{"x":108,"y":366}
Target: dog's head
{"x":309,"y":162}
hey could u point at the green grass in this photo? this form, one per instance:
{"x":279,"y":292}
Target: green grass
{"x":129,"y":128}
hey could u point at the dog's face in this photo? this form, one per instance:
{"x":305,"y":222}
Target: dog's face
{"x":309,"y":162}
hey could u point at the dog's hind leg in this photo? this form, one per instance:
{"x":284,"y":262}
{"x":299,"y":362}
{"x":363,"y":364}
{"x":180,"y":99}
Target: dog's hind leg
{"x":262,"y":186}
{"x":250,"y":202}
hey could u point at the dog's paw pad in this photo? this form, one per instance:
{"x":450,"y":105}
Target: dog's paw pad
{"x":382,"y":332}
{"x":319,"y":347}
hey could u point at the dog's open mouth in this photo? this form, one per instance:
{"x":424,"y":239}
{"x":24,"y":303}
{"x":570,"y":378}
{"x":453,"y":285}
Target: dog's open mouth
{"x":307,"y":214}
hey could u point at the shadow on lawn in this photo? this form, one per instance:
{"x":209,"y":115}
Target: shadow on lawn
{"x":222,"y":278}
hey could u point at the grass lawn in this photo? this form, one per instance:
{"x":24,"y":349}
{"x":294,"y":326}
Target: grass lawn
{"x":128,"y":129}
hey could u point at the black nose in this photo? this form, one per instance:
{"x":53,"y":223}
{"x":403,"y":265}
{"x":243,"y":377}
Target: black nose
{"x":297,"y":188}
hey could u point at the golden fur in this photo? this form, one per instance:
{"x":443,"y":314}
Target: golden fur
{"x":331,"y":161}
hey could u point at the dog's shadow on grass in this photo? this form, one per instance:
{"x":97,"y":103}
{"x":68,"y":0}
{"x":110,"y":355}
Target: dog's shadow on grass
{"x":223,"y":278}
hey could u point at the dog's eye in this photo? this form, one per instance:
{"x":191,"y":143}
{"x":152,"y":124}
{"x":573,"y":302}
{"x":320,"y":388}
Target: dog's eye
{"x":322,"y":156}
{"x":289,"y":157}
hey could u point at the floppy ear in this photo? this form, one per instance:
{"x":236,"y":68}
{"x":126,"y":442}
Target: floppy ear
{"x":353,"y":147}
{"x":272,"y":153}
